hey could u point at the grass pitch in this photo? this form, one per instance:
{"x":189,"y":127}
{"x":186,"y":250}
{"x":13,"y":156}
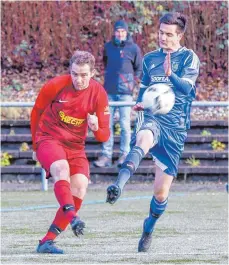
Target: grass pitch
{"x":193,"y":229}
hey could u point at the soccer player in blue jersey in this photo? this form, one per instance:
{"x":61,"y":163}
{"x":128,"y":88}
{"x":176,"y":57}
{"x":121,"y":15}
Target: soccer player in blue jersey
{"x":163,"y":136}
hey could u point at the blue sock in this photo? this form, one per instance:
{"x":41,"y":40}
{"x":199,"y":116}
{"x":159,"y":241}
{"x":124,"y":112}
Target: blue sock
{"x":156,"y":210}
{"x":129,"y":166}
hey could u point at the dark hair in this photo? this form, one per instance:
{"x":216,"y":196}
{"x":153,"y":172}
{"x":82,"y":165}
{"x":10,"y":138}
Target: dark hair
{"x":83,"y":57}
{"x":175,"y":18}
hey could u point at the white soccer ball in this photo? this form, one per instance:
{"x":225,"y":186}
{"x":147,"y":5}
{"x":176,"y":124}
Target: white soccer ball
{"x":159,"y":98}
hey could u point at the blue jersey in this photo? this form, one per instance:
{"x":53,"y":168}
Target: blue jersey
{"x":185,"y":70}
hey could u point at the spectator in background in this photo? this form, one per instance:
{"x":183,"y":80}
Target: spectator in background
{"x":123,"y":69}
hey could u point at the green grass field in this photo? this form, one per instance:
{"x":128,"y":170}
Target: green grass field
{"x":192,"y":231}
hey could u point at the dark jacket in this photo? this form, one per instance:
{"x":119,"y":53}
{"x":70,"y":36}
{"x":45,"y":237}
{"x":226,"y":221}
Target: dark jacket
{"x":123,"y":66}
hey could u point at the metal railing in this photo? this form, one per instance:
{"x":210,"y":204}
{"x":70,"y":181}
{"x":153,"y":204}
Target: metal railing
{"x":44,"y":181}
{"x":124,"y":103}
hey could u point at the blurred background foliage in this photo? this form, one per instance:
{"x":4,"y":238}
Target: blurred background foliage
{"x":39,"y":37}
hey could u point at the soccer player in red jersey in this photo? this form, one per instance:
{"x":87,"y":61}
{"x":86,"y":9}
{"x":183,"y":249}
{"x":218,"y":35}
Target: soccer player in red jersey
{"x":64,"y":109}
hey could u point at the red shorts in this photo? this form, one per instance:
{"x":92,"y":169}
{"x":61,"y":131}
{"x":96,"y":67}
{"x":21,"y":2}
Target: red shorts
{"x":49,"y":151}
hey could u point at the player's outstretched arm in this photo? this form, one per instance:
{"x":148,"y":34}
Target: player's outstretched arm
{"x":142,"y":88}
{"x":44,"y":98}
{"x":46,"y":95}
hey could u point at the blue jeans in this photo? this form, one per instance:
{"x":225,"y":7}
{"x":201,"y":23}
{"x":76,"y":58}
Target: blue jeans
{"x":125,"y":124}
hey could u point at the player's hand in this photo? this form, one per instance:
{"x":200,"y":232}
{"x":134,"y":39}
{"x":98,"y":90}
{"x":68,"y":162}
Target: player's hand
{"x":92,"y":121}
{"x":138,"y":107}
{"x":34,"y":156}
{"x":167,"y":65}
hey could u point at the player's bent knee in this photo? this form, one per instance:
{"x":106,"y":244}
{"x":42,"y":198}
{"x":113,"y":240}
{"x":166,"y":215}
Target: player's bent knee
{"x":78,"y":192}
{"x":145,"y":139}
{"x":160,"y":195}
{"x":60,"y":170}
{"x":79,"y":184}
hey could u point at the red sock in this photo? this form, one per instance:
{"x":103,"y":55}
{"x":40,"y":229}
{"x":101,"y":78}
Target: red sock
{"x":64,"y":197}
{"x":77,"y":203}
{"x":61,"y":222}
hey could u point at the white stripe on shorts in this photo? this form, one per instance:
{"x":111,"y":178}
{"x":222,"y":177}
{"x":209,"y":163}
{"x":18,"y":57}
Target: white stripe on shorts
{"x":162,"y":166}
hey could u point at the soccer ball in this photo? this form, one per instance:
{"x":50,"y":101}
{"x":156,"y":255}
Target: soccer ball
{"x":158,"y":98}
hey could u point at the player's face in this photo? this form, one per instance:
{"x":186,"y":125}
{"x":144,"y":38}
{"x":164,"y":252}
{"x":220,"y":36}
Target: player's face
{"x":81,"y":75}
{"x":169,"y":37}
{"x":121,"y":34}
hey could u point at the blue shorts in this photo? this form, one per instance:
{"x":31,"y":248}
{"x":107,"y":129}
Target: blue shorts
{"x":168,"y":145}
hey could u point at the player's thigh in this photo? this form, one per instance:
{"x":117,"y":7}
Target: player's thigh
{"x":53,"y":158}
{"x":59,"y":170}
{"x":145,"y":140}
{"x":162,"y":184}
{"x":148,"y":134}
{"x":79,"y":184}
{"x":79,"y":174}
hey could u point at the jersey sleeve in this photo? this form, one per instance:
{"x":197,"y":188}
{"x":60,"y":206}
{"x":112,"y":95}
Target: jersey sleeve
{"x":144,"y":83}
{"x":187,"y":79}
{"x":191,"y":68}
{"x":44,"y":98}
{"x":103,"y":114}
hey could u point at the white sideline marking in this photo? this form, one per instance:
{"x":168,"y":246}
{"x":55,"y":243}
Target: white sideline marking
{"x":39,"y":207}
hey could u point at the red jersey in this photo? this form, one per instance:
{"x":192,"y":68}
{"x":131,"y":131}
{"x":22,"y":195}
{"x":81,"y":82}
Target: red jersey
{"x":60,"y":112}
